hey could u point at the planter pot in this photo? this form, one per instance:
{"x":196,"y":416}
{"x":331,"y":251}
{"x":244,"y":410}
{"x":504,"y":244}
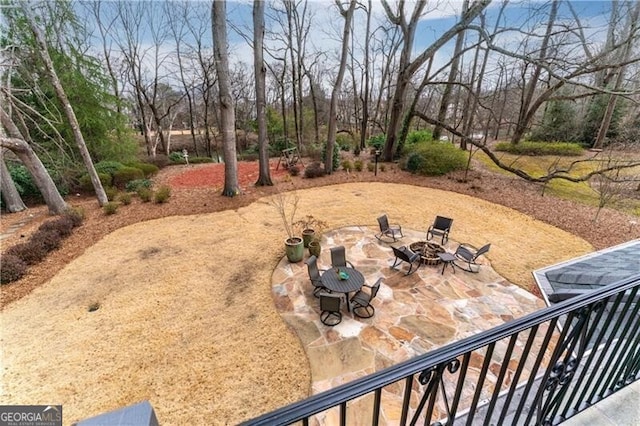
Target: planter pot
{"x":307,"y":236}
{"x":314,"y":248}
{"x":295,"y":249}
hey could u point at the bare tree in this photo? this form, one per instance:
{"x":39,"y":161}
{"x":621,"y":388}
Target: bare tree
{"x":10,"y":195}
{"x":227,"y":113}
{"x":347,"y":14}
{"x":260,"y":71}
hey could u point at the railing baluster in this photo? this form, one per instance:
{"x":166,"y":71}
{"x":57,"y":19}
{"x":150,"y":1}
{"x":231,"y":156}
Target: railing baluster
{"x":376,"y":406}
{"x":516,"y":376}
{"x":483,"y":375}
{"x":496,"y":391}
{"x":406,"y":400}
{"x":456,"y":398}
{"x":343,"y":413}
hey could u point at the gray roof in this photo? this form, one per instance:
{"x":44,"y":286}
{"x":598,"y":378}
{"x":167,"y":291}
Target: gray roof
{"x":591,"y":271}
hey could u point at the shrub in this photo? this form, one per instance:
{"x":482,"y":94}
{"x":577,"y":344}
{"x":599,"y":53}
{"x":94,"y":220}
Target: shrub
{"x":63,"y":225}
{"x":346,"y":165}
{"x":132,"y":186}
{"x":29,"y":252}
{"x":540,"y":148}
{"x":148,"y":169}
{"x":159,"y":160}
{"x":12,"y":268}
{"x":86,"y":185}
{"x":125,"y":175}
{"x":314,"y":170}
{"x":109,"y":167}
{"x":162,"y":195}
{"x":200,"y":160}
{"x":111,"y":192}
{"x":294,"y":170}
{"x":344,"y":142}
{"x":336,"y":156}
{"x":176,"y":157}
{"x":358,"y":165}
{"x":50,"y":239}
{"x":23,"y":181}
{"x":145,"y":194}
{"x":76,"y":215}
{"x":377,"y":142}
{"x":125,"y":198}
{"x":382,"y":167}
{"x":110,"y":208}
{"x":370,"y":167}
{"x":419,"y":136}
{"x":433,"y":159}
{"x":248,"y":156}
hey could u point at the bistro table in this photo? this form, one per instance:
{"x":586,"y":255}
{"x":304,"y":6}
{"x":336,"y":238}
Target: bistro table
{"x":333,"y":282}
{"x":447,"y":259}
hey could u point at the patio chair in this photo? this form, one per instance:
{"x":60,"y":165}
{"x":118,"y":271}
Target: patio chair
{"x":386,"y":230}
{"x":339,"y":257}
{"x":468,"y":254}
{"x":404,"y":254}
{"x":330,"y":309}
{"x":314,"y":276}
{"x":361,"y":301}
{"x":441,"y":227}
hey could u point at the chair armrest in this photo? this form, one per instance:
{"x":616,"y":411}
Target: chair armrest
{"x":469,"y":246}
{"x":350,"y":264}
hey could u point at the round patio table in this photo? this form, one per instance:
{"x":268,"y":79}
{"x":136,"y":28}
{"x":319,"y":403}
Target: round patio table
{"x":354,"y":283}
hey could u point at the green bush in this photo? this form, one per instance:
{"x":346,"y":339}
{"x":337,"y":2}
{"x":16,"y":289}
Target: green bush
{"x":109,"y":167}
{"x":111,"y":192}
{"x":344,"y":142}
{"x":110,"y":208}
{"x":541,"y":148}
{"x":124,"y":198}
{"x":50,"y":239}
{"x":145,"y":194}
{"x":126,"y":175}
{"x":200,"y":160}
{"x":160,"y":161}
{"x":358,"y":165}
{"x":370,"y":167}
{"x":176,"y":157}
{"x":12,"y":268}
{"x":336,"y":156}
{"x":377,"y":142}
{"x":23,"y":181}
{"x":346,"y":165}
{"x":29,"y":252}
{"x":132,"y":186}
{"x":162,"y":195}
{"x":63,"y":225}
{"x":419,"y":136}
{"x":434,"y":159}
{"x":147,"y":168}
{"x":314,"y":170}
{"x":86,"y":184}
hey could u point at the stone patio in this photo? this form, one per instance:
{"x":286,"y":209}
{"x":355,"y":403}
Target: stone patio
{"x":414,"y":314}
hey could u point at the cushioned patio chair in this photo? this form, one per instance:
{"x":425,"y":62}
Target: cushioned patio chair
{"x":339,"y":257}
{"x":386,"y":230}
{"x":441,"y":227}
{"x":468,"y":254}
{"x":314,"y":276}
{"x":404,"y":254}
{"x":361,"y":301}
{"x":330,"y":309}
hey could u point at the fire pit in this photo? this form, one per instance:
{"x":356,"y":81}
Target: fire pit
{"x":428,"y":251}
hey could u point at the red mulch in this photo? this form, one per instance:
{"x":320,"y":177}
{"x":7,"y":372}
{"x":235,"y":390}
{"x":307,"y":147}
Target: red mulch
{"x":213,"y":175}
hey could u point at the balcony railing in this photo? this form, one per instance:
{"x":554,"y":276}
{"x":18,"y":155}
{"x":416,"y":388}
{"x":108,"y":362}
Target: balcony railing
{"x":540,"y":369}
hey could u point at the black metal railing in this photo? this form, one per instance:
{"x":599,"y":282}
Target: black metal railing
{"x":540,"y":369}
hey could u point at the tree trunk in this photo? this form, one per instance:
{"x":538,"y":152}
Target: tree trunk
{"x":331,"y":133}
{"x":10,"y":195}
{"x":364,"y":125}
{"x":260,"y":71}
{"x":227,"y":113}
{"x":66,"y":105}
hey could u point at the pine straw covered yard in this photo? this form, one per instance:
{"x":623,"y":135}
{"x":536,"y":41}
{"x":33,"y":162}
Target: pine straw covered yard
{"x":186,"y":318}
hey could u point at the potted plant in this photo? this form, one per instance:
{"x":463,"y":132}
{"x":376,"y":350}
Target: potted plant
{"x":310,"y":227}
{"x":286,"y":205}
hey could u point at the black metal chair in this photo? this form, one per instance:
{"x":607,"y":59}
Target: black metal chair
{"x":339,"y":257}
{"x":468,"y":254}
{"x":404,"y":254}
{"x":314,"y":276}
{"x":441,"y":227}
{"x":330,"y":309}
{"x":361,"y":301}
{"x":386,"y":230}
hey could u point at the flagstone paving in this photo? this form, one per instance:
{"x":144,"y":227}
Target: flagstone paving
{"x":414,"y":314}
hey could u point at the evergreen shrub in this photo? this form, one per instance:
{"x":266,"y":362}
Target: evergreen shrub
{"x":434,"y":159}
{"x":314,"y":170}
{"x":145,"y":194}
{"x":110,"y":208}
{"x":86,"y":185}
{"x":124,"y":198}
{"x":125,"y":175}
{"x":162,"y":194}
{"x":540,"y":148}
{"x":347,"y":166}
{"x":132,"y":186}
{"x":358,"y":165}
